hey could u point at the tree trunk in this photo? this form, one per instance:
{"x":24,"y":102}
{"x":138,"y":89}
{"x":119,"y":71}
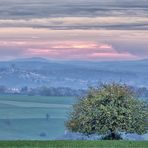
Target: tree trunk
{"x":113,"y":135}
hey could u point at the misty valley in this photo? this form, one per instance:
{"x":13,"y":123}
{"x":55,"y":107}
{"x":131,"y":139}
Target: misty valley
{"x":37,"y":94}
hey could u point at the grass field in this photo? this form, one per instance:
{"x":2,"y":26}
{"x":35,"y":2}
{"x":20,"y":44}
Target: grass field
{"x":24,"y":117}
{"x":73,"y":144}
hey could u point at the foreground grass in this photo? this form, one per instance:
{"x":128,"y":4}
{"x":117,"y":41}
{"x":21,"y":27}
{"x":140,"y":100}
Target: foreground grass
{"x":73,"y":144}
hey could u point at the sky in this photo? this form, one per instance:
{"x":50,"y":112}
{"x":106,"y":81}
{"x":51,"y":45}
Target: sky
{"x":96,"y":30}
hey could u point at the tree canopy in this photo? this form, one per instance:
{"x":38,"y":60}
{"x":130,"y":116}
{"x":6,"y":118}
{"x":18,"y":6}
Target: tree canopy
{"x":108,"y":110}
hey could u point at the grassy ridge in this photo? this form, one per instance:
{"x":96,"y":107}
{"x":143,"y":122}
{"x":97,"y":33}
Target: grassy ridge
{"x":73,"y":144}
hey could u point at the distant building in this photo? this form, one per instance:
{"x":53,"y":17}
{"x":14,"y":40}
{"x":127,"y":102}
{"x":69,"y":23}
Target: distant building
{"x":13,"y":90}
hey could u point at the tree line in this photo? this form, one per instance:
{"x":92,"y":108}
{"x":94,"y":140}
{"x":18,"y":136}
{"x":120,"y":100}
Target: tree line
{"x":43,"y":91}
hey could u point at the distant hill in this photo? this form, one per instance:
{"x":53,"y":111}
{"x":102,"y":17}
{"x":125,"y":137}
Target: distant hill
{"x":38,"y":59}
{"x":36,"y":71}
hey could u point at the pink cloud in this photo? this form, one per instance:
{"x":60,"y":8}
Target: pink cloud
{"x":79,"y":50}
{"x":32,"y":51}
{"x":112,"y":56}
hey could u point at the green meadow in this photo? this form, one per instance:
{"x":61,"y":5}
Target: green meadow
{"x":73,"y":144}
{"x":33,"y":117}
{"x":25,"y":118}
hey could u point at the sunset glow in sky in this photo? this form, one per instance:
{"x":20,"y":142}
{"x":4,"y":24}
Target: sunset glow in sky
{"x":74,"y":29}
